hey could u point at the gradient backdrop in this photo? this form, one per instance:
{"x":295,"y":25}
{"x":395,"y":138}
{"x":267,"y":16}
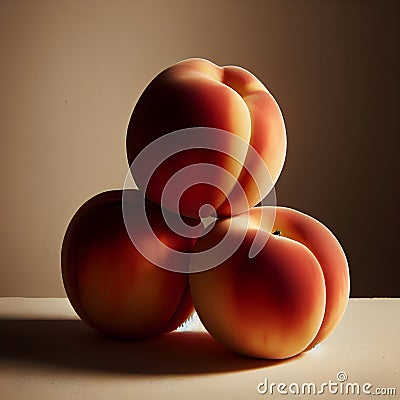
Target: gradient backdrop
{"x":71,"y":72}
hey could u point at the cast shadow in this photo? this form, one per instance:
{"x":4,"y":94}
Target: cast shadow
{"x":71,"y":344}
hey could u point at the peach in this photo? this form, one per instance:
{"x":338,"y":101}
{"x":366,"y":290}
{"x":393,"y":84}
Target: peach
{"x":282,"y":301}
{"x":111,"y":286}
{"x":243,"y":135}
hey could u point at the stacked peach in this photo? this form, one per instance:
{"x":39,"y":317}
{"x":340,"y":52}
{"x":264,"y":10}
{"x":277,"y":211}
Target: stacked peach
{"x":205,"y":141}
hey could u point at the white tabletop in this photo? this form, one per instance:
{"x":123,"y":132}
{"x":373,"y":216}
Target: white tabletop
{"x":46,"y":352}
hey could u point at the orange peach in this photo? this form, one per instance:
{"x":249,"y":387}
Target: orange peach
{"x":111,"y":286}
{"x":240,"y":114}
{"x":282,"y":301}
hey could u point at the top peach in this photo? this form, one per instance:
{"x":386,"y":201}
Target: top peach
{"x":230,"y":136}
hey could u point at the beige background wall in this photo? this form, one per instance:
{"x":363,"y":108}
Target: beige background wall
{"x":71,"y":72}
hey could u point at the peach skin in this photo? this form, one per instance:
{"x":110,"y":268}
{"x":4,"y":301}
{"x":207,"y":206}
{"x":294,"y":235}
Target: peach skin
{"x":197,"y":93}
{"x":284,"y":300}
{"x":111,"y":286}
{"x":326,"y":248}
